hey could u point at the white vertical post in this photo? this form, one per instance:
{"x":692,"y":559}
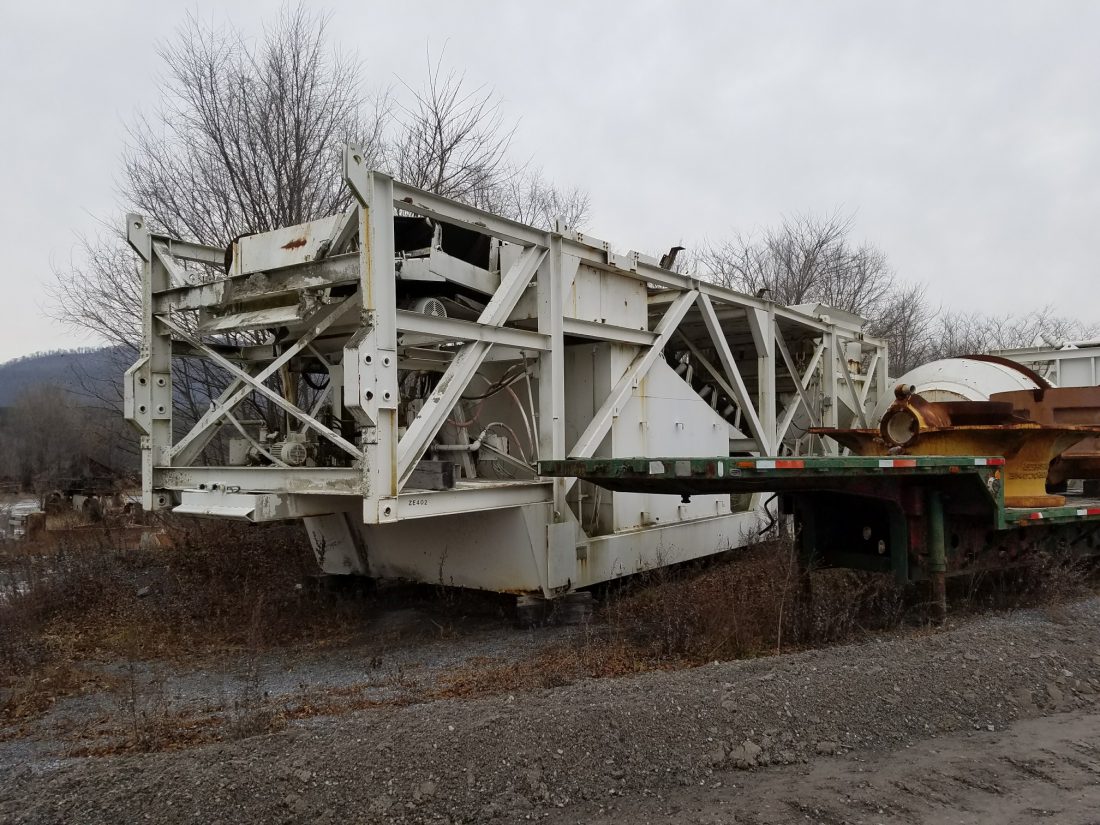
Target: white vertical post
{"x":370,"y":357}
{"x":830,"y":413}
{"x":149,"y":381}
{"x":551,"y":368}
{"x":561,"y":550}
{"x":762,"y":325}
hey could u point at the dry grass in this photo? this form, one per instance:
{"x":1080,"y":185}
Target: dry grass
{"x":757,"y":603}
{"x":215,"y":587}
{"x":1049,"y":579}
{"x":751,"y":603}
{"x":754,"y":602}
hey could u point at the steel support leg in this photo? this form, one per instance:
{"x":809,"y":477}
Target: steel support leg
{"x":937,"y":555}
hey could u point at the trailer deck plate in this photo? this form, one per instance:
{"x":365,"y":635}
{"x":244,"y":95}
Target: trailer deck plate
{"x":688,"y":476}
{"x":853,"y":474}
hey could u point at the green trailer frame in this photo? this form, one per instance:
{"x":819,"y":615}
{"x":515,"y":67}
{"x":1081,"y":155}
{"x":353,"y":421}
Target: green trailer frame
{"x":918,"y":517}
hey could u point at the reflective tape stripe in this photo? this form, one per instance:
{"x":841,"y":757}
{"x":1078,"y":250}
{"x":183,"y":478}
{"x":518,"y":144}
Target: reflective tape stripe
{"x":779,"y":464}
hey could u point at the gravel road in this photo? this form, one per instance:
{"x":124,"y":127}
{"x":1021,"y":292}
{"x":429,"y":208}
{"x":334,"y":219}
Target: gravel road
{"x":992,"y":720}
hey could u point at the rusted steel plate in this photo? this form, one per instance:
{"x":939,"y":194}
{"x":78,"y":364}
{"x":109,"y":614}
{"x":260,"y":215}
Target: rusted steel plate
{"x":1063,"y":406}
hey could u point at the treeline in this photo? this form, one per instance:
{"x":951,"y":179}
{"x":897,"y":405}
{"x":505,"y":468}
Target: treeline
{"x":73,"y":369}
{"x":51,"y":437}
{"x":812,"y":259}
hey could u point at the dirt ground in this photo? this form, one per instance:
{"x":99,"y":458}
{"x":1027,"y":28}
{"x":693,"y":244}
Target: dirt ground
{"x":993,"y":719}
{"x":1038,"y":770}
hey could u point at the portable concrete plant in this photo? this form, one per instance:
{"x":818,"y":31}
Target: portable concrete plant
{"x":393,"y":375}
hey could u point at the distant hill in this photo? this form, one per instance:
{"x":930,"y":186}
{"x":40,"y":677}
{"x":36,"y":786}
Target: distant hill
{"x":73,"y":370}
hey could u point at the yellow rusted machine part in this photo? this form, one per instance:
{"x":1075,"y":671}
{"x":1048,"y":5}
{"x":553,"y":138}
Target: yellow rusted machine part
{"x":1028,"y":450}
{"x":914,"y":426}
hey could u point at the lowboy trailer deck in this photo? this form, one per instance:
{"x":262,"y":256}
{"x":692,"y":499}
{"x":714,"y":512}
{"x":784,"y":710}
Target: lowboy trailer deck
{"x":919,"y":517}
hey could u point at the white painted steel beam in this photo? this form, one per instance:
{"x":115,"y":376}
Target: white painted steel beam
{"x":473,"y":497}
{"x":255,"y":507}
{"x":255,"y":383}
{"x":788,"y":361}
{"x":370,"y":369}
{"x":460,"y":372}
{"x":857,"y":407}
{"x":871,"y":378}
{"x":430,"y":205}
{"x":453,"y":329}
{"x":595,"y":331}
{"x":177,"y":276}
{"x":198,"y":253}
{"x":338,"y":481}
{"x":792,"y":408}
{"x":736,"y":384}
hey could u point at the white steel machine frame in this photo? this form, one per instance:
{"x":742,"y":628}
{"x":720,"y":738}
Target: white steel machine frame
{"x":328,"y":291}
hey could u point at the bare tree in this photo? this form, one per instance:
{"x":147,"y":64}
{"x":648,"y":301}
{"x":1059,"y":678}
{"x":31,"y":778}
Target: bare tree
{"x":805,"y":259}
{"x":527,"y":196}
{"x":959,"y":333}
{"x":43,"y":437}
{"x":100,"y":290}
{"x":452,"y":140}
{"x":907,"y":322}
{"x":249,"y":135}
{"x":249,"y":138}
{"x":811,"y":259}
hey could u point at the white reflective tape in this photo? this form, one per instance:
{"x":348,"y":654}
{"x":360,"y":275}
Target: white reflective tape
{"x":765,"y":465}
{"x":656,"y":468}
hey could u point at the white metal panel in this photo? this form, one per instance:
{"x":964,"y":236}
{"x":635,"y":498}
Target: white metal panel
{"x":288,"y":246}
{"x":666,"y":417}
{"x":1076,"y":372}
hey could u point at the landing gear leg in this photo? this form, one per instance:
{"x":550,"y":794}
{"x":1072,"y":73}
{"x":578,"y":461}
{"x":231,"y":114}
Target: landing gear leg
{"x":937,"y":557}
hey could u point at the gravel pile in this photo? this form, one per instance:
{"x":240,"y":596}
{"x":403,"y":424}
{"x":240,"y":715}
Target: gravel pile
{"x":588,"y":745}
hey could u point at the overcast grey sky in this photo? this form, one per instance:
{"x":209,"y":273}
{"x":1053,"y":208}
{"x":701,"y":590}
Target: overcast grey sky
{"x":965,"y":136}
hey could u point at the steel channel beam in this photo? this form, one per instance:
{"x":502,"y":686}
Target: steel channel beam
{"x":486,"y":496}
{"x":453,"y":329}
{"x":303,"y":480}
